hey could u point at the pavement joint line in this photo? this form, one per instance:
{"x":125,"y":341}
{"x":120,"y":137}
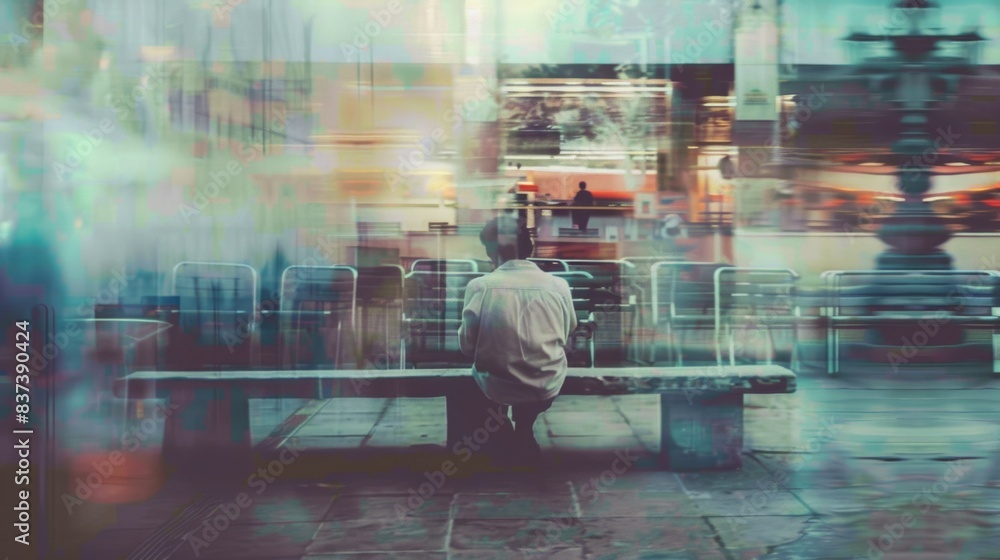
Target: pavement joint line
{"x":371,"y":432}
{"x":452,"y":512}
{"x":301,"y":424}
{"x":717,"y":537}
{"x":683,"y":488}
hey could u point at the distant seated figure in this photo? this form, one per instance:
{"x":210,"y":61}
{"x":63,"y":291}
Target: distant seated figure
{"x":583,"y":198}
{"x":516,"y":322}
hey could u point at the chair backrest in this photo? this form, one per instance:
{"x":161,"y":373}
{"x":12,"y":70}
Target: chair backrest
{"x":319,"y":289}
{"x":551,"y":265}
{"x":645,"y":262}
{"x":682,"y":289}
{"x":613,"y":273}
{"x":216,"y":300}
{"x":755,"y":292}
{"x":436,"y":296}
{"x":380,"y":283}
{"x":640,"y":280}
{"x":444,"y":265}
{"x":582,"y":287}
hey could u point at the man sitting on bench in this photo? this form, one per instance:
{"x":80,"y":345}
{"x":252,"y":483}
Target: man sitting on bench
{"x":516,"y":322}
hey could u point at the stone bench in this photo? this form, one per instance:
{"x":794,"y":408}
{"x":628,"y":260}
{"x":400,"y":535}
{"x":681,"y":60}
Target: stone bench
{"x":701,"y":414}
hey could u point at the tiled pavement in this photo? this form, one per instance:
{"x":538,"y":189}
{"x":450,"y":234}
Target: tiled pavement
{"x":890,"y":468}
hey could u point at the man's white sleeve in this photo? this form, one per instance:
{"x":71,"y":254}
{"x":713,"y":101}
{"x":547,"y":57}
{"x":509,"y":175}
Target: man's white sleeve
{"x":468,"y":332}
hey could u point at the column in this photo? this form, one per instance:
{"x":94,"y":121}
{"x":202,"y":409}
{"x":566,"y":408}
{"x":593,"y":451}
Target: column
{"x":754,"y":128}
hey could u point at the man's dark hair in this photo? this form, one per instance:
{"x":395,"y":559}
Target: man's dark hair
{"x":583,"y":184}
{"x":507,"y":237}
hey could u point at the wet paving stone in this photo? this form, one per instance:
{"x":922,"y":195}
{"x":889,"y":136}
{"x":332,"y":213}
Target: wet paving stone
{"x":825,"y":501}
{"x":354,"y":405}
{"x":637,"y":503}
{"x":337,"y":425}
{"x":768,"y":500}
{"x":379,"y":485}
{"x":422,"y":555}
{"x":798,"y":496}
{"x":750,"y":477}
{"x":381,"y":535}
{"x":808,"y":470}
{"x":523,"y":554}
{"x":326,"y":442}
{"x":630,"y":537}
{"x":112,"y":544}
{"x":257,"y":542}
{"x":544,"y":535}
{"x":514,"y":506}
{"x":388,"y":508}
{"x":596,"y":443}
{"x":633,"y":480}
{"x":507,"y":483}
{"x":761,"y":532}
{"x":285,"y":505}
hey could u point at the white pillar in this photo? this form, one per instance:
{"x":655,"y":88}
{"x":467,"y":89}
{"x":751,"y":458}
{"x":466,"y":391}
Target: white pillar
{"x":757,"y":91}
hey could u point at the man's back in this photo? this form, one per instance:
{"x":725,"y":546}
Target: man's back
{"x":516,"y":322}
{"x":583,"y":198}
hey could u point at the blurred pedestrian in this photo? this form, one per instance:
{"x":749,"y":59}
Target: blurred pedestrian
{"x":583,"y":199}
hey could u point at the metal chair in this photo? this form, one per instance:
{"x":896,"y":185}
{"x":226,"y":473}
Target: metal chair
{"x":380,"y":309}
{"x":313,"y":299}
{"x":433,"y":314}
{"x":877,"y":299}
{"x":640,"y":281}
{"x":581,"y":287}
{"x":683,"y":298}
{"x":218,"y":313}
{"x":758,"y":296}
{"x":444,"y":265}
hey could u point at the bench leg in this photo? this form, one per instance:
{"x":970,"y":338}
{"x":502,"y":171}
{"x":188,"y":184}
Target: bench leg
{"x":701,"y":432}
{"x":996,"y":354}
{"x":832,"y":352}
{"x":209,"y":432}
